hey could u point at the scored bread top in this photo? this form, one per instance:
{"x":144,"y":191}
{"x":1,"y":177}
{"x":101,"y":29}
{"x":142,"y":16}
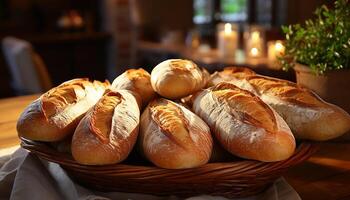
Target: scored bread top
{"x":108,"y":131}
{"x":171,"y":120}
{"x":244,"y":124}
{"x":307,"y":114}
{"x":173,"y":137}
{"x":56,"y":100}
{"x":262,"y":85}
{"x":55,"y":114}
{"x":246,"y":107}
{"x":230,"y":73}
{"x":285,"y":90}
{"x":102,"y":115}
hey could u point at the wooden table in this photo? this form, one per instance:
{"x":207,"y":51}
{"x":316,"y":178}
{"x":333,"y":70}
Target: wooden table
{"x":326,"y":175}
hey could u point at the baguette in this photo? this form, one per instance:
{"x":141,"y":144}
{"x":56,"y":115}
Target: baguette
{"x":138,"y":81}
{"x":243,"y":124}
{"x":173,"y":137}
{"x":228,"y":74}
{"x":176,"y":78}
{"x":56,"y":113}
{"x":305,"y":112}
{"x":108,"y":132}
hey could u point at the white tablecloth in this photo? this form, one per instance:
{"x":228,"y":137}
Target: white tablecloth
{"x":25,"y":176}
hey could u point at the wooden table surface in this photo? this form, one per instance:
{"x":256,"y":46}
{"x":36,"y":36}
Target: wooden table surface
{"x":326,"y":175}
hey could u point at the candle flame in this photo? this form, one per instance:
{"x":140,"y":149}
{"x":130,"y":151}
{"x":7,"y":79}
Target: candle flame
{"x":254,"y":51}
{"x":279,"y":46}
{"x":228,"y":28}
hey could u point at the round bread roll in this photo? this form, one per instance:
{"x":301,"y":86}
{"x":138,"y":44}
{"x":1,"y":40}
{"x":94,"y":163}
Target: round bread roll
{"x":56,"y":113}
{"x":138,"y":81}
{"x":244,"y":124}
{"x":176,"y":78}
{"x":173,"y":137}
{"x":108,"y":132}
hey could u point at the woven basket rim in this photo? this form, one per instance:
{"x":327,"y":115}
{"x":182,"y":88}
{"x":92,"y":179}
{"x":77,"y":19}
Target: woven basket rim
{"x":303,"y":151}
{"x":240,"y":178}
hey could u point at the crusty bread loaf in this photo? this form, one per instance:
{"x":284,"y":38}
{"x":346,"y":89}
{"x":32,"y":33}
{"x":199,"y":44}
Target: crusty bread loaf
{"x":176,"y":78}
{"x":108,"y":132}
{"x":228,"y":74}
{"x":307,"y":115}
{"x":243,"y":124}
{"x":56,"y":113}
{"x":138,"y":81}
{"x":173,"y":137}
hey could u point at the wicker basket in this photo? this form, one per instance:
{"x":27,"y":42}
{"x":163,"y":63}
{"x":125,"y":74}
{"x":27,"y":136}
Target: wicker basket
{"x":238,"y":178}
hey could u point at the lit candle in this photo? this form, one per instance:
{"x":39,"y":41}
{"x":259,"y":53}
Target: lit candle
{"x":227,"y":40}
{"x":254,"y":42}
{"x":254,"y":52}
{"x":275,"y":49}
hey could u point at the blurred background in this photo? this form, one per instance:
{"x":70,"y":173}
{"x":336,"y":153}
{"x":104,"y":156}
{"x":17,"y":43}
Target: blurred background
{"x":46,"y":42}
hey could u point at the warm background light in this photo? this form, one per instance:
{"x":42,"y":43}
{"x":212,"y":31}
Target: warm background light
{"x":227,"y":40}
{"x":275,"y":49}
{"x":254,"y":52}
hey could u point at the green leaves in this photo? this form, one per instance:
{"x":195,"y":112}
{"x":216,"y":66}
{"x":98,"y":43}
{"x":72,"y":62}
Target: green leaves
{"x":321,"y":43}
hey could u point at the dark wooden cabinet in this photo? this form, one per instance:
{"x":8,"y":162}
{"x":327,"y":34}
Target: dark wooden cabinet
{"x":67,"y":56}
{"x":74,"y":55}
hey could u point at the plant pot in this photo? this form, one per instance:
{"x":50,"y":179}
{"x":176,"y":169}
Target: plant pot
{"x":333,"y":86}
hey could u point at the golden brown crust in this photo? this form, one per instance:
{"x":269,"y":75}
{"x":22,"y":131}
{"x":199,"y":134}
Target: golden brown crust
{"x":243,"y":124}
{"x":228,"y":74}
{"x":176,"y":78}
{"x":285,"y":90}
{"x":102,"y":115}
{"x":57,"y":112}
{"x":170,"y":120}
{"x":134,"y":74}
{"x":108,"y":132}
{"x":307,"y":114}
{"x":242,"y":101}
{"x":173,"y":137}
{"x":137,"y":81}
{"x":238,"y":72}
{"x":63,"y":95}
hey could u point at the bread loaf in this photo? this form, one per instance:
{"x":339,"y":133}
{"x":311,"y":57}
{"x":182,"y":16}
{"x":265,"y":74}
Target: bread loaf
{"x":176,"y":78}
{"x":228,"y":74}
{"x":173,"y":137}
{"x":243,"y":124}
{"x":138,"y":81}
{"x":307,"y":115}
{"x":108,"y":132}
{"x":56,"y":113}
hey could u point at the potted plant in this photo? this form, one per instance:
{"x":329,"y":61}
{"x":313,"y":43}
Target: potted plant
{"x":319,"y":52}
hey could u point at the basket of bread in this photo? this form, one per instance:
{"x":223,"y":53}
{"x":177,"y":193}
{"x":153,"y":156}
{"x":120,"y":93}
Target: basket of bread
{"x":179,"y":130}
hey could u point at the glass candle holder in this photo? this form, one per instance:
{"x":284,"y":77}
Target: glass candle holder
{"x":275,"y":49}
{"x":227,"y":38}
{"x":254,"y":37}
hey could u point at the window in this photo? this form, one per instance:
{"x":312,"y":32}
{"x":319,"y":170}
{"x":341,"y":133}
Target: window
{"x":203,"y":11}
{"x":234,"y":10}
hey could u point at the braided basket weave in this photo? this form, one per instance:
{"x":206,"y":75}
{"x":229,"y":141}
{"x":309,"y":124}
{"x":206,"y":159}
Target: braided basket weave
{"x":238,"y":178}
